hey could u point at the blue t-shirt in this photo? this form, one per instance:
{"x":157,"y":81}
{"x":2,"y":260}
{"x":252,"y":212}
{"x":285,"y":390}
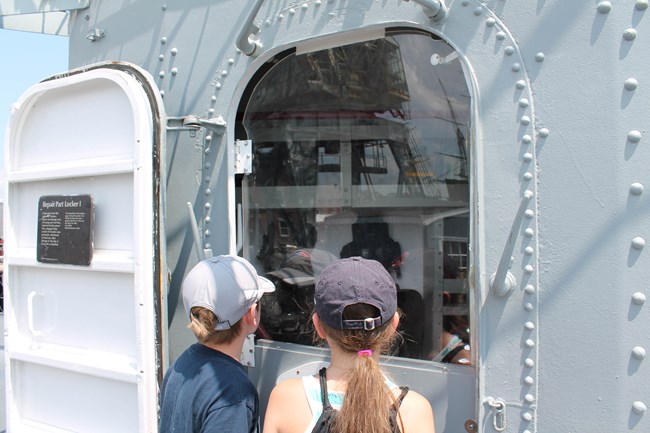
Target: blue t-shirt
{"x":207,"y":391}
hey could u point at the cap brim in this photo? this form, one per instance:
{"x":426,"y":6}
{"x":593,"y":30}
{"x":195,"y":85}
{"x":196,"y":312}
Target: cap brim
{"x":293,"y":277}
{"x":265,"y":285}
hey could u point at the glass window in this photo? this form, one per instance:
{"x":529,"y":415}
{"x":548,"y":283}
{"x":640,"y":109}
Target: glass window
{"x":363,"y":150}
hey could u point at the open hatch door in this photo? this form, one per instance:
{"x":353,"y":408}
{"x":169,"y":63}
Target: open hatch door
{"x":84,"y":264}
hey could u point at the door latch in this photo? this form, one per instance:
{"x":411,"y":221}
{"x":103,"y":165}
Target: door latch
{"x":498,"y":408}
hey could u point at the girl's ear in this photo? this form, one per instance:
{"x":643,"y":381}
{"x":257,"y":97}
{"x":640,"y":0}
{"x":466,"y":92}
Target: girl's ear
{"x":319,"y":329}
{"x":395,"y":320}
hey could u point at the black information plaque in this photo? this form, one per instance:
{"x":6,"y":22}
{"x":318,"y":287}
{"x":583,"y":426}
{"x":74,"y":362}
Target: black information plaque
{"x":65,"y":229}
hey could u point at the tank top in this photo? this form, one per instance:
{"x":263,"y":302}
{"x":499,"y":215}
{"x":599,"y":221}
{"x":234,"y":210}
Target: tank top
{"x":329,"y":410}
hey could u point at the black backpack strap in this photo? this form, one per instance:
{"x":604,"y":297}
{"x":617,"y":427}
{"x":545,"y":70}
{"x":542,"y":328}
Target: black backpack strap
{"x":393,"y":409}
{"x":324,"y":422}
{"x":323,"y":388}
{"x":405,"y":390}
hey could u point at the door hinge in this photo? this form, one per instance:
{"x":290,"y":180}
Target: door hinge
{"x":243,"y":156}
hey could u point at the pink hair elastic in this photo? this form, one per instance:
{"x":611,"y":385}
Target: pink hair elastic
{"x":367,"y":352}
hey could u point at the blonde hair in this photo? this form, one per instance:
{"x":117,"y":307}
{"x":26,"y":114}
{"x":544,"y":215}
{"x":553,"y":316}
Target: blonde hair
{"x":203,"y":323}
{"x":367,"y":392}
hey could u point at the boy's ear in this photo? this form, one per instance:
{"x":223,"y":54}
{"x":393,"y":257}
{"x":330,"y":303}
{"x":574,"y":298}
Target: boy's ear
{"x":250,"y":317}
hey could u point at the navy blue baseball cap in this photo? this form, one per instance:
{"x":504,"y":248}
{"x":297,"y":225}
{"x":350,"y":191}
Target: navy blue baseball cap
{"x":350,"y":281}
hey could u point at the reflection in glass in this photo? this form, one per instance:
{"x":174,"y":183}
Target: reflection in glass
{"x":362,"y":150}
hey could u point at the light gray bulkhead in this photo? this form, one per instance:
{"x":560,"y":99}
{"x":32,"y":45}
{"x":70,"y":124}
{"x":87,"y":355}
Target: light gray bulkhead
{"x":557,"y":113}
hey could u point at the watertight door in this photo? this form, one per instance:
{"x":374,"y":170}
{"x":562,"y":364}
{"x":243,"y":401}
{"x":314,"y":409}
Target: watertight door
{"x":83,"y":253}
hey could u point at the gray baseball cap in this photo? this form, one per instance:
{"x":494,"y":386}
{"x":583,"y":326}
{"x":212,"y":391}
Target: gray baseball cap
{"x":350,"y":281}
{"x":226,"y":285}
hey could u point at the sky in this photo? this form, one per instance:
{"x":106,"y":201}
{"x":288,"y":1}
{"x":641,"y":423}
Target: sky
{"x":26,"y":59}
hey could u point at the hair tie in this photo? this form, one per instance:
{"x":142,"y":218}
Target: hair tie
{"x":366,"y":352}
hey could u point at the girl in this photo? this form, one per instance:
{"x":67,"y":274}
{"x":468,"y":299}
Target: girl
{"x":356,"y":313}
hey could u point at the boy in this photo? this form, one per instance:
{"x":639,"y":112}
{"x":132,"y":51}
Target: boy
{"x":206,"y":389}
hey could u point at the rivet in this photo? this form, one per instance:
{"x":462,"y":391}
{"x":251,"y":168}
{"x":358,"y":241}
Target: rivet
{"x":526,"y":431}
{"x":539,"y":57}
{"x":207,"y":233}
{"x":317,"y":3}
{"x":521,"y":84}
{"x":528,"y":176}
{"x":629,"y":34}
{"x":224,"y":73}
{"x":636,"y":188}
{"x":631,"y":84}
{"x":281,"y":16}
{"x":163,"y":40}
{"x":208,"y":191}
{"x":208,"y":138}
{"x":530,"y":343}
{"x":509,"y":50}
{"x":528,"y":306}
{"x":529,"y":326}
{"x":529,"y":289}
{"x":292,"y":11}
{"x":638,"y":243}
{"x":490,"y":22}
{"x":267,"y":23}
{"x":528,"y":362}
{"x":639,"y":407}
{"x":516,"y":67}
{"x":207,"y":205}
{"x":305,"y":6}
{"x":528,"y":157}
{"x":529,"y":398}
{"x":174,"y":51}
{"x":207,"y":219}
{"x":529,"y":213}
{"x":604,"y":7}
{"x":529,"y":269}
{"x":525,"y":120}
{"x":528,"y":194}
{"x":213,"y":98}
{"x":638,"y":298}
{"x":529,"y":380}
{"x":465,"y":2}
{"x":501,"y":35}
{"x":634,"y":136}
{"x":208,"y":165}
{"x":478,"y":11}
{"x":161,"y":74}
{"x":211,"y":111}
{"x":208,"y":246}
{"x":638,"y":352}
{"x":529,"y":233}
{"x":526,"y":139}
{"x":527,"y":416}
{"x":523,"y":103}
{"x":217,"y":86}
{"x":174,"y":71}
{"x":161,"y":57}
{"x":529,"y":251}
{"x":231,"y":61}
{"x":641,"y":5}
{"x":543,"y":132}
{"x":162,"y":93}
